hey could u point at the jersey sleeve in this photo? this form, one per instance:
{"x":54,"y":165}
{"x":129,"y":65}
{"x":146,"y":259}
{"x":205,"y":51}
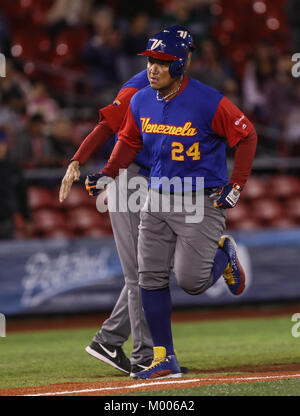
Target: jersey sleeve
{"x":230,"y":122}
{"x":114,"y":113}
{"x":129,"y":131}
{"x":128,"y":145}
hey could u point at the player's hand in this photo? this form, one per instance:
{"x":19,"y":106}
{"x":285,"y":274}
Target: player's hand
{"x":96,"y":182}
{"x":228,"y":196}
{"x":72,"y":174}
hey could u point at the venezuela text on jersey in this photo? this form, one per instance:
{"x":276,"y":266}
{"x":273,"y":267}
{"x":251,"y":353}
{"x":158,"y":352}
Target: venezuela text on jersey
{"x":186,"y":130}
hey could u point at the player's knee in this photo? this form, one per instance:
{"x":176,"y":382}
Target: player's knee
{"x":153,"y":281}
{"x":194,"y":287}
{"x":133,"y":289}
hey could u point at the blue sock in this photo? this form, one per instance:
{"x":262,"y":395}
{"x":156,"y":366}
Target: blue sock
{"x":157,"y":305}
{"x":220,"y":263}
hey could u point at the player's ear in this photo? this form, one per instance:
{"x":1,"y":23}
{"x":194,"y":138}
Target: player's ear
{"x":189,"y":60}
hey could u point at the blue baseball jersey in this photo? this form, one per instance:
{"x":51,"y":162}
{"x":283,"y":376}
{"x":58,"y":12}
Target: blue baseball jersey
{"x":115,"y":113}
{"x":186,"y":136}
{"x":138,"y":81}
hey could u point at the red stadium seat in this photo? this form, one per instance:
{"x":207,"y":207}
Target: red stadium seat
{"x":283,"y":186}
{"x":106,"y":224}
{"x":72,"y":40}
{"x":78,"y":197}
{"x":255,"y":188}
{"x":60,"y":233}
{"x":94,"y":233}
{"x":283,"y":223}
{"x":83,"y":220}
{"x":266,"y":210}
{"x":39,"y":197}
{"x":249,"y":224}
{"x":47,"y":220}
{"x":237,"y":215}
{"x":292,"y":209}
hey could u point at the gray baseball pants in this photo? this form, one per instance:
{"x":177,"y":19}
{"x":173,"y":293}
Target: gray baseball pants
{"x":127,"y":316}
{"x":164,"y":235}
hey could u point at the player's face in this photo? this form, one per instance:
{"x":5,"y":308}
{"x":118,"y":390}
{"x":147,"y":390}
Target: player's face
{"x":159,"y":75}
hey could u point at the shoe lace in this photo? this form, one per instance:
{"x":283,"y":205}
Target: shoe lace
{"x":229,"y":275}
{"x":155,"y":362}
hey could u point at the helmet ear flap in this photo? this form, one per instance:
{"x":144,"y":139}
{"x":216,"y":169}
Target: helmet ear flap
{"x":176,"y":68}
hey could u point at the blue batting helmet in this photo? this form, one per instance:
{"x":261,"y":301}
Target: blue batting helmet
{"x":184,"y":33}
{"x":168,"y":46}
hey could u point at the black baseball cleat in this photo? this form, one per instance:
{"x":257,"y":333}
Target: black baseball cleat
{"x":136,"y":368}
{"x":184,"y":370}
{"x":111,"y":355}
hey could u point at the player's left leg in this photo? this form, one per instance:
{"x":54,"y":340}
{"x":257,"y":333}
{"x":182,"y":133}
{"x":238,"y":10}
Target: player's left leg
{"x":202,"y":256}
{"x":155,"y":251}
{"x":233,"y":274}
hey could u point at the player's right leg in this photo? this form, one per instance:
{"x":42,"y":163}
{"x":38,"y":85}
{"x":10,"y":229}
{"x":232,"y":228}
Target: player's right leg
{"x":107,"y":342}
{"x":127,"y":316}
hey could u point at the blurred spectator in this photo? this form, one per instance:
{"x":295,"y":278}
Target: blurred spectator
{"x":12,"y":99}
{"x":13,"y":194}
{"x":211,"y":67}
{"x":232,"y":92}
{"x":134,"y":42}
{"x":5,"y":37}
{"x":59,"y":147}
{"x":67,"y":13}
{"x":284,"y":115}
{"x":258,"y":72}
{"x":280,"y":90}
{"x":28,"y":146}
{"x":12,"y":108}
{"x":101,"y":52}
{"x":15,"y":77}
{"x":194,"y":15}
{"x":126,"y":9}
{"x":293,"y":18}
{"x":291,"y":133}
{"x":40,"y":101}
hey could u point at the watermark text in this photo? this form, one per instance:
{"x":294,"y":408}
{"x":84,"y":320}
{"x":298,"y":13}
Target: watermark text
{"x":296,"y":326}
{"x":296,"y":67}
{"x":2,"y":66}
{"x":162,"y":194}
{"x":2,"y":325}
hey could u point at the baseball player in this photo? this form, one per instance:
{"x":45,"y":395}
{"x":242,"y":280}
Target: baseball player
{"x":127,"y":316}
{"x":184,"y":126}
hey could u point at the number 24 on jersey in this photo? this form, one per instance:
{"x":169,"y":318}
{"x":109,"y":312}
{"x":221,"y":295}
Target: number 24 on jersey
{"x":178,"y":153}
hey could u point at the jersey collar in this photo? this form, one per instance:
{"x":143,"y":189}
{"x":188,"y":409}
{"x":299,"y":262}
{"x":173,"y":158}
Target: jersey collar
{"x":184,"y":83}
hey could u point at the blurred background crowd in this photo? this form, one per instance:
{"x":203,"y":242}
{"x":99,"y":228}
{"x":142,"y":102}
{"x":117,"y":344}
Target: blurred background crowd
{"x":65,"y":59}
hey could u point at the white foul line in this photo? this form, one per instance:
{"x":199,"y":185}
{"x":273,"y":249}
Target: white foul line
{"x":161,"y":383}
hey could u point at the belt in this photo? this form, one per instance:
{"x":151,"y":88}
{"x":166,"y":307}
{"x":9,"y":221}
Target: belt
{"x":210,"y":191}
{"x":207,"y":191}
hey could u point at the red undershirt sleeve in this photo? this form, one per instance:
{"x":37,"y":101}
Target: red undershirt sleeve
{"x":94,"y":141}
{"x":243,"y":159}
{"x":111,"y":118}
{"x":230,"y":122}
{"x":127,"y":147}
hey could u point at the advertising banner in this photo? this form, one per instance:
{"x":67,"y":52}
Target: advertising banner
{"x":59,"y":276}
